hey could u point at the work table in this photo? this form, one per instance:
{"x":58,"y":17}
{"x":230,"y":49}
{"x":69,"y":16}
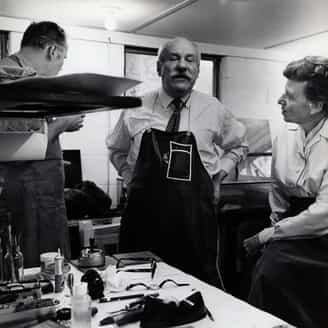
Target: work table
{"x":227,"y":311}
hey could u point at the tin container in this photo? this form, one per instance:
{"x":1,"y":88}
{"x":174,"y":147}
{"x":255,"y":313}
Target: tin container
{"x":91,"y":257}
{"x":47,"y":261}
{"x":59,"y":272}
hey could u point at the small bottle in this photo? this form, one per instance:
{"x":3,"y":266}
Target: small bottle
{"x":10,"y":272}
{"x":81,"y":307}
{"x":2,"y":265}
{"x":18,"y":261}
{"x":59,"y":274}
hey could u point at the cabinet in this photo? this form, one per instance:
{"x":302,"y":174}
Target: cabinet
{"x":244,"y":211}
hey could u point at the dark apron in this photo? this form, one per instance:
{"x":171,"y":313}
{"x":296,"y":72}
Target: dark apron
{"x":290,"y":279}
{"x":33,"y":193}
{"x":170,"y":210}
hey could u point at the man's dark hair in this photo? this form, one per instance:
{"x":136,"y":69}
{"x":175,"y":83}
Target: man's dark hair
{"x":41,"y":34}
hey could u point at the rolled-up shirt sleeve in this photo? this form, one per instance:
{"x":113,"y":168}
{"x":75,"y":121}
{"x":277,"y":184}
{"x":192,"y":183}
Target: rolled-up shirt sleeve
{"x":118,"y":144}
{"x":232,"y":140}
{"x":309,"y":223}
{"x":278,"y":202}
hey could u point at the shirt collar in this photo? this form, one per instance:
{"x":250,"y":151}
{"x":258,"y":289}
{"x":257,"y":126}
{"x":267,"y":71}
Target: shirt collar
{"x":324,"y":129}
{"x":24,"y":62}
{"x":166,"y":100}
{"x":321,"y":126}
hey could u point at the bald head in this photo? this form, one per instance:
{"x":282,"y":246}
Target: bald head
{"x":165,"y":48}
{"x":178,"y":66}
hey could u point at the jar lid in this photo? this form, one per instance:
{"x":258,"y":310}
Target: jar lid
{"x":48,"y":257}
{"x":64,"y":314}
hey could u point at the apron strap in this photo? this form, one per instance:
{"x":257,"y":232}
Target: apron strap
{"x":156,"y":147}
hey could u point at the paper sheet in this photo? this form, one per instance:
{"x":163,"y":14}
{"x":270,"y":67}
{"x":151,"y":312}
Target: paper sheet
{"x":23,"y":139}
{"x":23,"y":146}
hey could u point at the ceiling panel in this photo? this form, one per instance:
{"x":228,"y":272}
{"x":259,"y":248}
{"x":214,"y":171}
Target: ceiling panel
{"x":252,"y":23}
{"x":243,"y":23}
{"x":87,"y":13}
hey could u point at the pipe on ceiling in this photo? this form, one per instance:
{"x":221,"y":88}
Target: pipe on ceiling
{"x":165,"y":13}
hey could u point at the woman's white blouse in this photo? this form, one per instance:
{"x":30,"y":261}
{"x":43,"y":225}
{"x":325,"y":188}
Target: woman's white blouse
{"x":299,"y":168}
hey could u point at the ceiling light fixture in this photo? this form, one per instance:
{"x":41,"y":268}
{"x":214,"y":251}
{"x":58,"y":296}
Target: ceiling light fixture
{"x":111,"y":18}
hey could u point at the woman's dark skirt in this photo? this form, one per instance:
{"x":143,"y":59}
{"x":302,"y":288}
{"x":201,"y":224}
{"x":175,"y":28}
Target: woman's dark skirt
{"x":290,"y":281}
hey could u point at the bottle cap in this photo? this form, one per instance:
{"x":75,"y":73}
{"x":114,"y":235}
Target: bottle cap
{"x":59,"y":263}
{"x":59,"y":256}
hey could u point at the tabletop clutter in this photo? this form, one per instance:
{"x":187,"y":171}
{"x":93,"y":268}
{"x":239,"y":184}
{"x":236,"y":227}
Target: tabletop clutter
{"x":126,"y":287}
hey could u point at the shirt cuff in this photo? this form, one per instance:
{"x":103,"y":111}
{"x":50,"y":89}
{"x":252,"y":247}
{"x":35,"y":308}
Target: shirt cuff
{"x":227,"y":164}
{"x":266,"y":235}
{"x":126,"y":175}
{"x":274,"y":218}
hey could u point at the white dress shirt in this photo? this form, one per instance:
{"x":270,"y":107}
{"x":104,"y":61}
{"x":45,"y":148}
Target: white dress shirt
{"x":300,"y":169}
{"x":212,"y":125}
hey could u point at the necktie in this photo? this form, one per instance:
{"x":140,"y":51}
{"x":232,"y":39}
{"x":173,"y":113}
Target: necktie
{"x":174,"y":121}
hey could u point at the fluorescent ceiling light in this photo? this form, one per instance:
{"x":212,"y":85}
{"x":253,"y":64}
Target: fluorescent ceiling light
{"x":111,"y":17}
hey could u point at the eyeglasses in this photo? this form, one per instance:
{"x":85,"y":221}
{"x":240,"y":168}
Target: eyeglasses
{"x":167,"y":283}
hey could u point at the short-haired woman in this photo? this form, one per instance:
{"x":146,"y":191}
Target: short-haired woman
{"x":290,"y":279}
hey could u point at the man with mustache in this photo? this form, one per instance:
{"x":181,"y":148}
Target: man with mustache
{"x":167,"y":153}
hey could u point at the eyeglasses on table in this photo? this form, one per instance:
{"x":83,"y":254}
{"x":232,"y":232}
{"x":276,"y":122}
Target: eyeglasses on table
{"x":167,"y":283}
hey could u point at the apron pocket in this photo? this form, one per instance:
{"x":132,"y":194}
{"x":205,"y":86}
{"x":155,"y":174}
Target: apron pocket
{"x":180,"y":160}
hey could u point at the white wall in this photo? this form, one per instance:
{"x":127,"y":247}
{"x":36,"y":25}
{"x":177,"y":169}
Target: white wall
{"x":250,"y":88}
{"x":316,"y":45}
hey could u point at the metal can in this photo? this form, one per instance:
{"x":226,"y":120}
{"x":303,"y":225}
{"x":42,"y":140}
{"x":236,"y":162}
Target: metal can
{"x":59,"y":272}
